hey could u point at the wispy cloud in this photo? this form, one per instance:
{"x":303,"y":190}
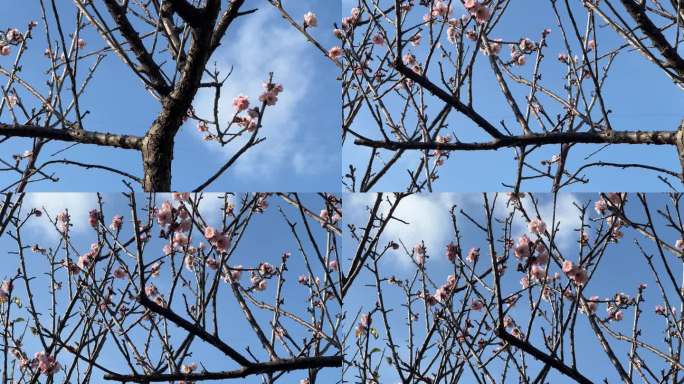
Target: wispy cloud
{"x":567,"y":218}
{"x":263,"y":43}
{"x":77,"y":204}
{"x":427,"y":217}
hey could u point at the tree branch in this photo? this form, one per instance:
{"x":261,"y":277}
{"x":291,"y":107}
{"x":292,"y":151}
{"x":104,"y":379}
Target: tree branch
{"x":260,"y":368}
{"x":72,"y":135}
{"x":615,"y":137}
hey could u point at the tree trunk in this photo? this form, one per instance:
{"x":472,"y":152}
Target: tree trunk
{"x":157,"y":154}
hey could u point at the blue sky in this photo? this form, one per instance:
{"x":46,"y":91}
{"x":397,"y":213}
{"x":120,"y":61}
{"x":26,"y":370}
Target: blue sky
{"x":302,"y":147}
{"x":267,"y":237}
{"x":622,"y":269}
{"x":639,"y":95}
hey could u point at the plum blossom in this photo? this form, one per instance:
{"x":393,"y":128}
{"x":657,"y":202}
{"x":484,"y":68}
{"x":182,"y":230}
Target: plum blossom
{"x":476,"y":305}
{"x":679,"y":244}
{"x":378,"y":39}
{"x":522,"y":248}
{"x":537,"y":226}
{"x":212,"y":263}
{"x":117,"y":222}
{"x":81,"y":43}
{"x":419,"y":254}
{"x":310,"y":20}
{"x":335,"y":52}
{"x":451,"y":252}
{"x":151,"y":290}
{"x":364,"y":324}
{"x":119,"y":273}
{"x":270,"y":95}
{"x":478,"y":10}
{"x":259,"y":283}
{"x":473,"y":254}
{"x":46,"y":364}
{"x":4,"y":295}
{"x":241,"y":103}
{"x":440,"y":8}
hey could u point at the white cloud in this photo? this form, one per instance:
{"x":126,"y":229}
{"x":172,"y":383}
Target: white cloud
{"x":77,"y":204}
{"x":264,"y":43}
{"x":211,"y":207}
{"x":566,"y":218}
{"x":427,"y":217}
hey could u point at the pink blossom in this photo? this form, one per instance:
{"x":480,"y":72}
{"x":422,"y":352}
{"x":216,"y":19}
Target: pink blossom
{"x":542,"y":254}
{"x":440,"y":8}
{"x":378,"y":39}
{"x":660,"y":310}
{"x":212,"y":263}
{"x":119,"y":273}
{"x":303,"y":279}
{"x":600,"y":206}
{"x":14,"y":35}
{"x":679,"y":244}
{"x":222,"y":243}
{"x":181,"y":196}
{"x":259,"y":284}
{"x":154,"y":269}
{"x":476,"y":305}
{"x":167,"y":249}
{"x":473,"y":254}
{"x":46,"y":364}
{"x":521,"y":60}
{"x":189,"y":262}
{"x":537,"y":271}
{"x":451,"y":252}
{"x":117,"y":222}
{"x":335,"y":52}
{"x":310,"y":20}
{"x":441,"y":294}
{"x":568,"y":266}
{"x":5,"y":50}
{"x":85,"y":261}
{"x":269,"y":97}
{"x":591,"y":44}
{"x":537,"y":226}
{"x":580,"y":277}
{"x":241,"y":102}
{"x":332,"y":265}
{"x":93,"y":216}
{"x":409,"y":59}
{"x":81,"y":43}
{"x":592,"y":303}
{"x":180,"y":240}
{"x":477,"y":10}
{"x":618,"y":316}
{"x":266,"y":269}
{"x":151,"y":290}
{"x":209,"y":233}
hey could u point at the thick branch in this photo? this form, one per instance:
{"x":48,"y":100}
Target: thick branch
{"x":448,"y":98}
{"x":615,"y":137}
{"x":672,"y":58}
{"x":72,"y":135}
{"x":188,"y":12}
{"x":195,"y":330}
{"x":543,"y":357}
{"x":147,"y":63}
{"x":260,"y":368}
